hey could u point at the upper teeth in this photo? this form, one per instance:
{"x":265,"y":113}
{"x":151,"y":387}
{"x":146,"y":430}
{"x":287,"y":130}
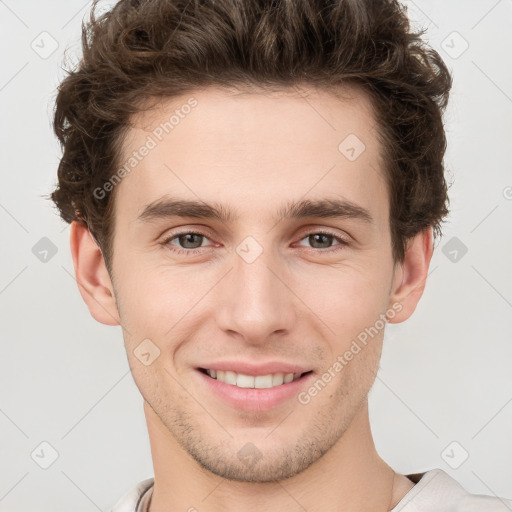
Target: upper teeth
{"x":249,"y":381}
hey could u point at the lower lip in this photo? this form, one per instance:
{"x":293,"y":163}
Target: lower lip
{"x":254,"y":399}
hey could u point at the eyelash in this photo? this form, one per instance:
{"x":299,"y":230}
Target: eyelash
{"x":192,"y":252}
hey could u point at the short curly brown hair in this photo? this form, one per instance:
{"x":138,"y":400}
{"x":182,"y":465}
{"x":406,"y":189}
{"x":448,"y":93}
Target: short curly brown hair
{"x":148,"y":49}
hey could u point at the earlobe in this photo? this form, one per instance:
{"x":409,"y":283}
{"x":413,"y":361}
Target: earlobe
{"x":410,"y":278}
{"x":92,"y":276}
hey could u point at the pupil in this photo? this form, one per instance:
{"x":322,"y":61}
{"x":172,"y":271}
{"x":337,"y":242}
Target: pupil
{"x":319,"y":235}
{"x":184,"y":239}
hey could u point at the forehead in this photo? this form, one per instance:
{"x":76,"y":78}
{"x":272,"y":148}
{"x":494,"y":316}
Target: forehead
{"x":253,"y":147}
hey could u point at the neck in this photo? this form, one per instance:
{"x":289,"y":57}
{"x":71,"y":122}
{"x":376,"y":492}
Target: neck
{"x":349,"y":477}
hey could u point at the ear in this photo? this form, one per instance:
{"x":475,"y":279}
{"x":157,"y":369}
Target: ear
{"x":92,"y":276}
{"x":410,"y":276}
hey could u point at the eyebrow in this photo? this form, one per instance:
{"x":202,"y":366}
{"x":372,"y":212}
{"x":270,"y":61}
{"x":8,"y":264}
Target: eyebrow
{"x":167,"y":207}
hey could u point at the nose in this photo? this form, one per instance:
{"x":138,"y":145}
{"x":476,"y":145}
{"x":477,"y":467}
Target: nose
{"x":257,"y":302}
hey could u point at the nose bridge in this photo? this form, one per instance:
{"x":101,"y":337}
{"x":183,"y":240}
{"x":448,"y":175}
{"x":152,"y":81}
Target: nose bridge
{"x":256,"y":301}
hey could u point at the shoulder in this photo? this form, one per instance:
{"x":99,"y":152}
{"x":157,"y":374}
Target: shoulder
{"x":135,"y":498}
{"x":436,"y":490}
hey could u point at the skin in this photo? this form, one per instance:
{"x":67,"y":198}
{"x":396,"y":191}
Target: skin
{"x":253,"y":152}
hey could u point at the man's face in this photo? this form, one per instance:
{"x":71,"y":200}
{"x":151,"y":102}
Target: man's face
{"x":254,"y":292}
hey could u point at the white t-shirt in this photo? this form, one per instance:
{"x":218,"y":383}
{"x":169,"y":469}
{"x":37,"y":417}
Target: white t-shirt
{"x":434,"y":491}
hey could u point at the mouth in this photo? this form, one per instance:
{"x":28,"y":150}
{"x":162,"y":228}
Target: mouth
{"x":240,"y":380}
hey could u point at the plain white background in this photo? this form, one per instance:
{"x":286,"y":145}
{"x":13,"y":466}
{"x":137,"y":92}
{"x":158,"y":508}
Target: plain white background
{"x":444,"y":390}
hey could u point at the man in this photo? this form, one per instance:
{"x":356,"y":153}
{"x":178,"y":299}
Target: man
{"x":254,"y":188}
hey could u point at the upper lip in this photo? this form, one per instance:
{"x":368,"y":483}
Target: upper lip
{"x":253,"y":369}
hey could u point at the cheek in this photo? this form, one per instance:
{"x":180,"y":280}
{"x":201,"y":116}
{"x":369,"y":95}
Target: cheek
{"x":153,"y":300}
{"x":358,"y":374}
{"x":347,"y":298}
{"x":164,"y":306}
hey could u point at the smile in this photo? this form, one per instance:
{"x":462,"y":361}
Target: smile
{"x":250,"y":381}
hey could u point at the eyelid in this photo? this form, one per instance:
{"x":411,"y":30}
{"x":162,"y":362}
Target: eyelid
{"x":326,"y":230}
{"x":171,"y":236}
{"x":343,"y":240}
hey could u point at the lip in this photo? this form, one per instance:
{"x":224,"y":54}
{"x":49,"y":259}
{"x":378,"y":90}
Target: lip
{"x":253,"y":399}
{"x":256,"y":369}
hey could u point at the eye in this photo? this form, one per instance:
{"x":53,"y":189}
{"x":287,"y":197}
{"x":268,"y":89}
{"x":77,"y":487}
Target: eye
{"x":189,"y":242}
{"x":322,"y":240}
